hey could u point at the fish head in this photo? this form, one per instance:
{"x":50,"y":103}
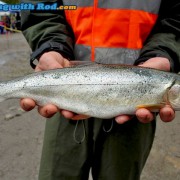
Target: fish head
{"x":174,"y":96}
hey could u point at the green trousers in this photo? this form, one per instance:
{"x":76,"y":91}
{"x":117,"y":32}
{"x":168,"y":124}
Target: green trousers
{"x":112,"y":151}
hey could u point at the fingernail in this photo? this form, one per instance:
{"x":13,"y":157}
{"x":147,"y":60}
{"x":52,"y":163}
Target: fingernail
{"x":48,"y":112}
{"x":120,"y":120}
{"x":146,"y":120}
{"x":26,"y":107}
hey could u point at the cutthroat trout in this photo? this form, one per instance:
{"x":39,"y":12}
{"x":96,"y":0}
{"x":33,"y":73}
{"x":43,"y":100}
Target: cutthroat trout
{"x":96,"y":90}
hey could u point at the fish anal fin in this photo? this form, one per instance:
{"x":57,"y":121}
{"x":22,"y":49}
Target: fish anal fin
{"x":151,"y":107}
{"x":80,"y":117}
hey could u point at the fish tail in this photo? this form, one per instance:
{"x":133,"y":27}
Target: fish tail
{"x":2,"y":92}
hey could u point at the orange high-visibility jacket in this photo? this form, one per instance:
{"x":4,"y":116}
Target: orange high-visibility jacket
{"x":107,"y":30}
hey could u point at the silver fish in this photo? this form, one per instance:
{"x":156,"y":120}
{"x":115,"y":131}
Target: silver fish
{"x":102,"y":91}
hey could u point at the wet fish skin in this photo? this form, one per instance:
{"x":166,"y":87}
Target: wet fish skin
{"x":102,"y":91}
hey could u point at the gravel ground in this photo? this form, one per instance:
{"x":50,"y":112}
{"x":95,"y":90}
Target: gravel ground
{"x":21,"y":133}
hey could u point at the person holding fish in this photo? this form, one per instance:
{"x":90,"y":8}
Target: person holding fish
{"x":143,"y":33}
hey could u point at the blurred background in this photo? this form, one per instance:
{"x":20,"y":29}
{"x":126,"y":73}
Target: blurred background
{"x":9,"y":20}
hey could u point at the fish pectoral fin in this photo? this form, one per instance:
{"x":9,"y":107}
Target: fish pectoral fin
{"x":151,"y":107}
{"x":80,"y":117}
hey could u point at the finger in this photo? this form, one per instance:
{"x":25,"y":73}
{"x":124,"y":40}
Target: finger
{"x":67,"y":114}
{"x":47,"y":110}
{"x":37,"y":69}
{"x":144,"y":115}
{"x":160,"y":63}
{"x":167,"y":114}
{"x":122,"y":119}
{"x":66,"y":63}
{"x":27,"y":104}
{"x":46,"y":66}
{"x":46,"y":63}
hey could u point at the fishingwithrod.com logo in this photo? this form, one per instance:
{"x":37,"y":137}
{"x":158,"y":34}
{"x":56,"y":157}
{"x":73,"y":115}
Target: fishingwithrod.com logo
{"x":38,"y":6}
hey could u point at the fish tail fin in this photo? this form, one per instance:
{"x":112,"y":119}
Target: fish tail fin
{"x":3,"y":90}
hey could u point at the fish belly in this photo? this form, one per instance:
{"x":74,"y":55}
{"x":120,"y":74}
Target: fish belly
{"x":101,"y":101}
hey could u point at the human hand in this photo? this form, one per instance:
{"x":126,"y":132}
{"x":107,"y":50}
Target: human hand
{"x":49,"y":60}
{"x":166,"y":114}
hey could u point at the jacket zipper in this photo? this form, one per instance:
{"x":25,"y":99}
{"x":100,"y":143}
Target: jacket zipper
{"x":92,"y":37}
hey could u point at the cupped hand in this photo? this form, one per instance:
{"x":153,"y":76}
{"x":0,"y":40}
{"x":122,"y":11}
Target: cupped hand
{"x":166,"y":113}
{"x":49,"y":60}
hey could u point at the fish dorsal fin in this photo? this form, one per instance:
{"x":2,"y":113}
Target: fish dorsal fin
{"x":78,"y":64}
{"x":91,"y":64}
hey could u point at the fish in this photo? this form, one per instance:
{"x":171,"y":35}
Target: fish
{"x":98,"y":90}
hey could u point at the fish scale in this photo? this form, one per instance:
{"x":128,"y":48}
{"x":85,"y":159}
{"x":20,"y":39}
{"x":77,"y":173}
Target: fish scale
{"x":97,"y":90}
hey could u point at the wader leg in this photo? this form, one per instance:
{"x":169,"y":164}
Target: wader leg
{"x":122,"y":153}
{"x":62,"y":157}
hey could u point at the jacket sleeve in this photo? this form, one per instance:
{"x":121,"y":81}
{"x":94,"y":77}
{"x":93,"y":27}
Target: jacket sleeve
{"x":40,"y":27}
{"x":164,"y":40}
